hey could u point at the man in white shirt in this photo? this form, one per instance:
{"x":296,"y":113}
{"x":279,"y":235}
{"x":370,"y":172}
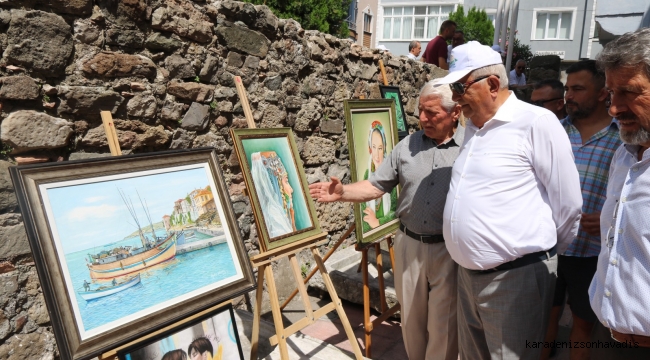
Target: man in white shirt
{"x":513,"y":202}
{"x":620,"y":288}
{"x":414,"y":50}
{"x":517,"y":79}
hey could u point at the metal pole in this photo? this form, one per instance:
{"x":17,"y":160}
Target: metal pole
{"x":504,"y":24}
{"x":511,"y":39}
{"x":497,"y":22}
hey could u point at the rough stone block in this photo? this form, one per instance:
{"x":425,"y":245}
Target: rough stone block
{"x":196,"y":118}
{"x":84,"y":100}
{"x":13,"y":237}
{"x":181,"y":18}
{"x":112,"y":64}
{"x":179,"y":68}
{"x":318,"y":150}
{"x":18,"y":88}
{"x":26,"y":130}
{"x":123,"y":37}
{"x":142,"y":105}
{"x":244,"y":40}
{"x":7,"y":195}
{"x":332,"y":126}
{"x":162,"y":42}
{"x":39,"y":41}
{"x":191,"y":91}
{"x":309,"y":116}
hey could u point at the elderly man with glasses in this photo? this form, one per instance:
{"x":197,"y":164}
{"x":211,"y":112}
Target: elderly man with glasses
{"x":425,"y":275}
{"x":514,"y":201}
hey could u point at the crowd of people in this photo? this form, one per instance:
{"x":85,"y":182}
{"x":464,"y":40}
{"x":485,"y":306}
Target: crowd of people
{"x":528,"y":205}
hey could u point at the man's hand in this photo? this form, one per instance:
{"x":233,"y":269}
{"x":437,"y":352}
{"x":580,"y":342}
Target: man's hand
{"x":327,"y":191}
{"x":370,"y":217}
{"x":591,"y":223}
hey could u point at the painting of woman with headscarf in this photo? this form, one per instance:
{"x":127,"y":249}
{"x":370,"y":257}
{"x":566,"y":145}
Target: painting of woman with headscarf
{"x":274,"y":192}
{"x":382,"y":210}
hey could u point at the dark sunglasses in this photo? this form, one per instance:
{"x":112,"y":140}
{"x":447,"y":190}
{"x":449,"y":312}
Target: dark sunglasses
{"x":459,"y":87}
{"x":541,"y":103}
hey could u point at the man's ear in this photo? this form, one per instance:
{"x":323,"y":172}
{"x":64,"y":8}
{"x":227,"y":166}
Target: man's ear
{"x":495,"y":83}
{"x":455,"y":112}
{"x":603,"y":94}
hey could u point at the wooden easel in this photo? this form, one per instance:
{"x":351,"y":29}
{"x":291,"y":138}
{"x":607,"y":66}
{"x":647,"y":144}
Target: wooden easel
{"x":368,"y":325}
{"x":263,"y":263}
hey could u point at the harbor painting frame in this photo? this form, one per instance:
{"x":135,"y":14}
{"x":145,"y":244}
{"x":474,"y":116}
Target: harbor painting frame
{"x":372,"y":135}
{"x":125,"y":246}
{"x":277,"y":185}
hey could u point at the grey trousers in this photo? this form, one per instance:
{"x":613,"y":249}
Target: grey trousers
{"x":501,"y":314}
{"x":425,"y":282}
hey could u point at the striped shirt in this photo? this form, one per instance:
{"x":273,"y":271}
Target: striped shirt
{"x":592,"y":160}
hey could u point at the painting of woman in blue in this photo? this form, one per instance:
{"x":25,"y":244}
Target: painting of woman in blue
{"x":274,"y":192}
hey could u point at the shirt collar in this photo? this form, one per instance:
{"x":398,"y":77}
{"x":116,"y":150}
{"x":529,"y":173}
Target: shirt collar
{"x":505,"y":113}
{"x":455,"y":140}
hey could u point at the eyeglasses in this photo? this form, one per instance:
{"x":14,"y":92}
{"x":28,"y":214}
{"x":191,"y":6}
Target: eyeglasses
{"x":611,"y":233}
{"x":541,"y":103}
{"x":459,"y":87}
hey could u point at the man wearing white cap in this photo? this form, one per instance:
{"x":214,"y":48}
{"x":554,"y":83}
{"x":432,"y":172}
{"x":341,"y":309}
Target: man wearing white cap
{"x":513,"y":202}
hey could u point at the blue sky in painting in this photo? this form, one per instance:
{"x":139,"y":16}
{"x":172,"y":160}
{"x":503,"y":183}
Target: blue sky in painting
{"x":93,"y":214}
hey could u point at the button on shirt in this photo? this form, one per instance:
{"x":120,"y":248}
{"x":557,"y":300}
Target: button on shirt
{"x":514,"y":189}
{"x":620,"y":288}
{"x":423,"y":170}
{"x":592,"y":160}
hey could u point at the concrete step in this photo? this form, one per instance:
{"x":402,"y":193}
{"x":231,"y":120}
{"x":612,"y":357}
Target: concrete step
{"x":342,"y":267}
{"x":300,"y":346}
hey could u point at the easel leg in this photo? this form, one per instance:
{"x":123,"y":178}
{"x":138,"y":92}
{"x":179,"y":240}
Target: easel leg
{"x":380,"y":274}
{"x":257,"y":311}
{"x":327,"y":256}
{"x":337,"y":304}
{"x":367,"y":324}
{"x":277,"y":315}
{"x":301,"y":288}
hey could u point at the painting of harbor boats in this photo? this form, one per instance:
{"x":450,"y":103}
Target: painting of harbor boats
{"x":133,"y":244}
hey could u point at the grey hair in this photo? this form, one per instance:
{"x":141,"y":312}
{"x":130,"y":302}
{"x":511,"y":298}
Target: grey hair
{"x":520,"y":61}
{"x":443,"y":92}
{"x":628,"y":51}
{"x":496,"y":69}
{"x":413,"y":44}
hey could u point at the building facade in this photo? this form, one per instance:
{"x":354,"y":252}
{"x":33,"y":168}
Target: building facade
{"x":550,"y":27}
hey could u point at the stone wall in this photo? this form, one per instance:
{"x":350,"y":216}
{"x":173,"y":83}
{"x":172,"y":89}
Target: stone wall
{"x":164,"y":68}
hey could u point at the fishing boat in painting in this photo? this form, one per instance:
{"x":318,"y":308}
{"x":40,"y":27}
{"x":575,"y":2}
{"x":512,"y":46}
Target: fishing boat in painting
{"x":125,"y":260}
{"x":109,"y":289}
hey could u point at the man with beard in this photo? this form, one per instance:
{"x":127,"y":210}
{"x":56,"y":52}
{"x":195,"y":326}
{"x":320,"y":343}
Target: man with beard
{"x":620,"y":288}
{"x":594,"y":139}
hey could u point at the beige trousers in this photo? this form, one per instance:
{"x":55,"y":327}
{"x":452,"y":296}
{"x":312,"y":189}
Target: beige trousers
{"x":425,"y":281}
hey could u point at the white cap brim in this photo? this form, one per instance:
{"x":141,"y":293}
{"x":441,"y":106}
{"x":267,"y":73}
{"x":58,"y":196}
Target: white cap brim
{"x":453,"y":77}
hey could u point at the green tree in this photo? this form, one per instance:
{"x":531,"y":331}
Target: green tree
{"x":326,"y":16}
{"x":475,"y":25}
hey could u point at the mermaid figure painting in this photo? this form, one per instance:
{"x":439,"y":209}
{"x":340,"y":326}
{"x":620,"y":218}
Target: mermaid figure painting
{"x":274,"y":191}
{"x":382,"y":210}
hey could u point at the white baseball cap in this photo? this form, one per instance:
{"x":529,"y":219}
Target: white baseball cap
{"x":467,"y":58}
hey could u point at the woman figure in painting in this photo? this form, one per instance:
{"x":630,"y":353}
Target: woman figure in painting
{"x":177,"y":354}
{"x":274,"y":192}
{"x":201,"y":349}
{"x":379,"y":211}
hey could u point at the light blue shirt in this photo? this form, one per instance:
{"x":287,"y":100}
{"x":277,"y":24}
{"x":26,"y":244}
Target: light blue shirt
{"x":620,"y":290}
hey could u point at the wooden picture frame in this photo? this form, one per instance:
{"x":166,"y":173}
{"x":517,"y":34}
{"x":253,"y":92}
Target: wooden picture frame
{"x":372,"y":134}
{"x":392,"y":92}
{"x":213,"y":334}
{"x":108,"y":272}
{"x":277,"y":186}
